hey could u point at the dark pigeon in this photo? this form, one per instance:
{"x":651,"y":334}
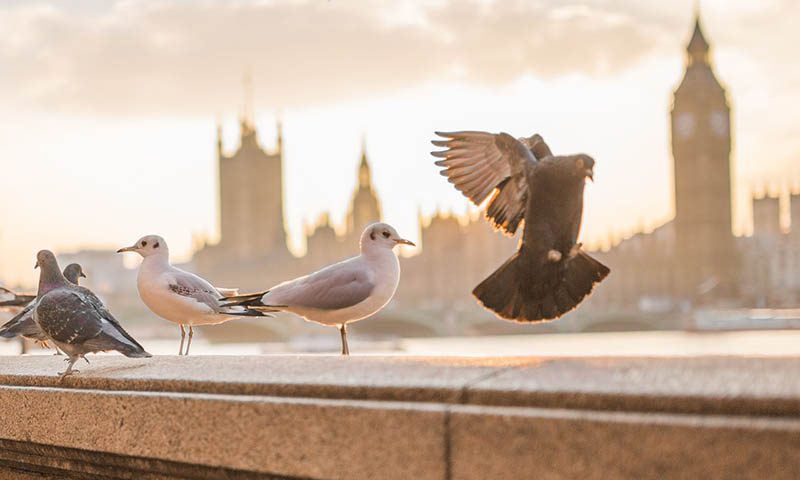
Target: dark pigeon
{"x":75,"y":319}
{"x":549,"y":275}
{"x":23,"y":323}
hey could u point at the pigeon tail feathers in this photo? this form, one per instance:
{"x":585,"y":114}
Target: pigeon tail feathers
{"x":523,"y":290}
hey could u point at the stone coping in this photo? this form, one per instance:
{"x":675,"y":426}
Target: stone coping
{"x":702,"y":385}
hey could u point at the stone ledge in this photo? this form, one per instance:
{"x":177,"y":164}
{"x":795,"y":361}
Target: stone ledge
{"x":403,"y":417}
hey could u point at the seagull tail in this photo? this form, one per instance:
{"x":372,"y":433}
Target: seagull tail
{"x":524,"y":290}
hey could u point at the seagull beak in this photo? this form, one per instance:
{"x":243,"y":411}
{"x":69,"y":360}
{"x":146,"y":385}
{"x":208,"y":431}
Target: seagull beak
{"x":404,"y":241}
{"x":127,"y":249}
{"x":590,"y":174}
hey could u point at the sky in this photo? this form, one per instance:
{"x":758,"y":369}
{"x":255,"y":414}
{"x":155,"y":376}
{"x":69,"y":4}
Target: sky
{"x":109,"y":108}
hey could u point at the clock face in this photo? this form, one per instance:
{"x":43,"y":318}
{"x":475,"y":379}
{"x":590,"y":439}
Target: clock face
{"x":685,"y":124}
{"x":719,"y":123}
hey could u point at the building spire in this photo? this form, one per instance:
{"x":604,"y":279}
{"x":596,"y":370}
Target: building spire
{"x":698,"y":46}
{"x":364,"y":174}
{"x":219,"y":138}
{"x":248,"y":123}
{"x":279,"y":139}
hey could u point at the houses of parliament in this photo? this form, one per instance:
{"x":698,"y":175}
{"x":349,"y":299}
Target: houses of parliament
{"x":692,"y":260}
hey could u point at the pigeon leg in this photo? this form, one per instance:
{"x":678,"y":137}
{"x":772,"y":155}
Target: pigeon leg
{"x":189,"y":344}
{"x":343,"y":331}
{"x":69,"y":371}
{"x":87,"y":360}
{"x":183,"y":336}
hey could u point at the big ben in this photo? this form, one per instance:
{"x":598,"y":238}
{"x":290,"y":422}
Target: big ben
{"x":706,"y":256}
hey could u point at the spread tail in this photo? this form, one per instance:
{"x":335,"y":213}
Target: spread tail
{"x":528,"y":291}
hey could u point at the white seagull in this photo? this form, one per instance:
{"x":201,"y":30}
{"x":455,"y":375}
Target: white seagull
{"x":179,"y":296}
{"x":345,"y":292}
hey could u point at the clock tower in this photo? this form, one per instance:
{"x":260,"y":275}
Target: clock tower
{"x":707,"y":261}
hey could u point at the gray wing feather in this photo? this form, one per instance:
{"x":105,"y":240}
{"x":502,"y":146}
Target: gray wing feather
{"x":23,"y":324}
{"x":332,"y":288}
{"x":196,"y":288}
{"x":482,"y":165}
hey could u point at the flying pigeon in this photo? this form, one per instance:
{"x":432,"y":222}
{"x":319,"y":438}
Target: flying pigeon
{"x":75,"y":319}
{"x":345,"y":292}
{"x":179,"y":296}
{"x":23,"y":323}
{"x":550,"y":274}
{"x":10,"y":299}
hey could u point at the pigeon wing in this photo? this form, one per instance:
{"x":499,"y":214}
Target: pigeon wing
{"x":23,"y":324}
{"x":485,"y":165}
{"x":109,"y":324}
{"x":66,"y":317}
{"x":338,"y":286}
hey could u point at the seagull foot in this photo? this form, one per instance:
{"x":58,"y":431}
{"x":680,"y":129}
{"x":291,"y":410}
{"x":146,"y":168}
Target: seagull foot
{"x":554,"y":256}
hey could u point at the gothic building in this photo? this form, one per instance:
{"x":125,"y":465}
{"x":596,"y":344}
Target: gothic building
{"x":693,"y":259}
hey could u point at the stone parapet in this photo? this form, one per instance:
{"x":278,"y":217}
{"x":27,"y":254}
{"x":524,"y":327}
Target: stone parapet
{"x":326,"y":417}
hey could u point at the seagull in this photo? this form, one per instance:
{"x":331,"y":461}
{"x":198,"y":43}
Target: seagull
{"x":550,"y":274}
{"x":10,"y":299}
{"x":179,"y":296}
{"x":75,"y":319}
{"x":23,"y":323}
{"x":345,"y":292}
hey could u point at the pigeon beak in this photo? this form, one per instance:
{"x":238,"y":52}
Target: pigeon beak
{"x":83,"y":275}
{"x":590,"y":174}
{"x":404,"y":242}
{"x":127,"y":249}
{"x":37,"y":265}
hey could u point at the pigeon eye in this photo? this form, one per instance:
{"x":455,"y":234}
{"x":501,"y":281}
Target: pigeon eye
{"x":156,"y":245}
{"x":385,"y":234}
{"x":144,"y":244}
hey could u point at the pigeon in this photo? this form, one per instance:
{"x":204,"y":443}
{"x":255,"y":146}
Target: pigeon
{"x":345,"y":292}
{"x":23,"y":323}
{"x":75,"y":319}
{"x":179,"y":296}
{"x":10,"y":299}
{"x":550,"y":274}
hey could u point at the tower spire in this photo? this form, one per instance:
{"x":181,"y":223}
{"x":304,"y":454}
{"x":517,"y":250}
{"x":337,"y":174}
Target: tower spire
{"x":219,"y":138}
{"x":279,"y":138}
{"x":247,"y":107}
{"x":698,"y":46}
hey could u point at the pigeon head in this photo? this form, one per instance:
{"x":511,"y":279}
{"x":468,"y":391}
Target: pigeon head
{"x":50,"y":276}
{"x":73,"y":272}
{"x":381,"y":235}
{"x":583,"y":165}
{"x":147,"y":246}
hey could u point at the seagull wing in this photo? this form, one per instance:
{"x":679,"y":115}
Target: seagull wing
{"x":480,"y":165}
{"x":191,"y":286}
{"x":335,"y":287}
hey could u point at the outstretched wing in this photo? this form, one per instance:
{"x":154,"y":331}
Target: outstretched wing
{"x":480,"y":164}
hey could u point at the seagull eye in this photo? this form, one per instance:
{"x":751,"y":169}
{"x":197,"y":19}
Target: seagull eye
{"x":144,"y":244}
{"x":385,"y":234}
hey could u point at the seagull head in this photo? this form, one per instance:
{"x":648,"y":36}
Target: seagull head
{"x":381,"y":235}
{"x":147,"y":246}
{"x":584,"y":166}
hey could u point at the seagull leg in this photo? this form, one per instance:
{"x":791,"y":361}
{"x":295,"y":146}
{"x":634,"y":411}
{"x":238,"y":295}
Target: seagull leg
{"x":183,"y":335}
{"x":343,"y":331}
{"x":191,"y":334}
{"x":69,"y":371}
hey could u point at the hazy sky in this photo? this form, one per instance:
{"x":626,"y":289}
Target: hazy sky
{"x":109,"y":107}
